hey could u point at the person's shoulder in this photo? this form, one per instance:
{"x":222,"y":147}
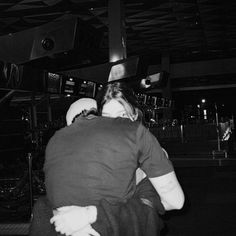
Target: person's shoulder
{"x":85,"y":118}
{"x":130,"y":126}
{"x":126,"y":122}
{"x":142,"y":130}
{"x":141,"y":126}
{"x":59,"y":132}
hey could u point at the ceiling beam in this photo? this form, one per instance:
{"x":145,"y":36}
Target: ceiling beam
{"x":198,"y":68}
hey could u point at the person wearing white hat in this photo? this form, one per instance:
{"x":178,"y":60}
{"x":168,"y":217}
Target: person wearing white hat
{"x":81,"y":106}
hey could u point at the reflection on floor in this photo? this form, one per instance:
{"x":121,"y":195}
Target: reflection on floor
{"x":210,"y":207}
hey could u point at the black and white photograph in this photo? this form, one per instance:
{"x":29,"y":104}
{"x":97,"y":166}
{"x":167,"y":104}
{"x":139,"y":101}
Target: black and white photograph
{"x":117,"y":117}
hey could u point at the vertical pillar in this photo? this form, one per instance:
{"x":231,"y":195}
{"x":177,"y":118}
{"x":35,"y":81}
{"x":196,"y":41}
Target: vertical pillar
{"x":34,"y":122}
{"x":117,"y":34}
{"x":49,"y":109}
{"x":166,"y":92}
{"x":34,"y":112}
{"x":29,"y":157}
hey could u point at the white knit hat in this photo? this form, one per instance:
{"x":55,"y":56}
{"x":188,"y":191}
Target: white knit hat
{"x":78,"y":106}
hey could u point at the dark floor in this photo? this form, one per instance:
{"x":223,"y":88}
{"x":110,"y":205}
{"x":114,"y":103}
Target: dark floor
{"x":210,"y":207}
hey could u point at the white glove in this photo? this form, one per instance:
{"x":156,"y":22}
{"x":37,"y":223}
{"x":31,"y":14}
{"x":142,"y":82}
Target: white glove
{"x":86,"y":231}
{"x":70,"y":219}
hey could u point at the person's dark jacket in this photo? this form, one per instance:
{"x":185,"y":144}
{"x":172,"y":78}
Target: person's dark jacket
{"x":139,"y":216}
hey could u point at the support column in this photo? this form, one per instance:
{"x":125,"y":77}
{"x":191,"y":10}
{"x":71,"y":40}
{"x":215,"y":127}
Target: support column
{"x":34,"y":112}
{"x":166,"y":92}
{"x":117,"y":34}
{"x":49,"y":109}
{"x":34,"y":122}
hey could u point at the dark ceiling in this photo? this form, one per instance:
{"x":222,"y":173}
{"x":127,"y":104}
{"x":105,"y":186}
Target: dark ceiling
{"x":188,"y":30}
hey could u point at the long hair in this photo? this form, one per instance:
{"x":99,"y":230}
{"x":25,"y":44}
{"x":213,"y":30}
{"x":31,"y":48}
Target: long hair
{"x":121,"y":93}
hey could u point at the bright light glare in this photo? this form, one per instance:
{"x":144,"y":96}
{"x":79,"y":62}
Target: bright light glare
{"x":205,"y":114}
{"x":117,"y":72}
{"x":115,"y":58}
